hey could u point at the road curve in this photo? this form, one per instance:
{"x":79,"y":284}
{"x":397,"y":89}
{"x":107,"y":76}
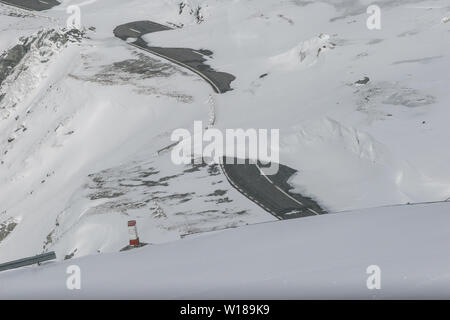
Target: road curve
{"x":191,"y":59}
{"x":272,"y":193}
{"x":35,"y":5}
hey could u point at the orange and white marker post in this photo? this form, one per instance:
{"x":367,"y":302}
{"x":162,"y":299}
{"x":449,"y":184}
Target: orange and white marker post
{"x":132,"y":232}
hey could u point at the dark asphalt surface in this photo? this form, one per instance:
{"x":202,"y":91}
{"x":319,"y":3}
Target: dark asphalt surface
{"x":189,"y":58}
{"x":283,"y":204}
{"x":37,"y":5}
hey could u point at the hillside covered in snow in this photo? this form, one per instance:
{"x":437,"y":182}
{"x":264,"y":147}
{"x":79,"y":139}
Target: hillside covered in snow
{"x":86,"y":121}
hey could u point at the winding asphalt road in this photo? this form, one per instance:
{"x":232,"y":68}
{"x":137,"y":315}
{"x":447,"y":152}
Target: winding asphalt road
{"x":191,"y":59}
{"x":35,"y":5}
{"x":272,"y":193}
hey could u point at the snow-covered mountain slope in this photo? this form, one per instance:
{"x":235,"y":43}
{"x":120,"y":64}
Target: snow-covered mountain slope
{"x":83,"y":115}
{"x":316,"y":257}
{"x":380,"y":143}
{"x":82,"y":127}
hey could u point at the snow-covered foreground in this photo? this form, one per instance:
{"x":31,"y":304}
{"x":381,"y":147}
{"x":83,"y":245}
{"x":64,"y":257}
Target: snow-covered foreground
{"x":82,"y":117}
{"x":317,"y":257}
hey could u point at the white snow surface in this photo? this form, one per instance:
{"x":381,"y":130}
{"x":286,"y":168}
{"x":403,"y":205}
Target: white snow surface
{"x":81,"y":124}
{"x":323,"y":257}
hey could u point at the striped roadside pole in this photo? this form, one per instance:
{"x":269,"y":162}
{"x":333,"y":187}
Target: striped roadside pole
{"x":132,"y":232}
